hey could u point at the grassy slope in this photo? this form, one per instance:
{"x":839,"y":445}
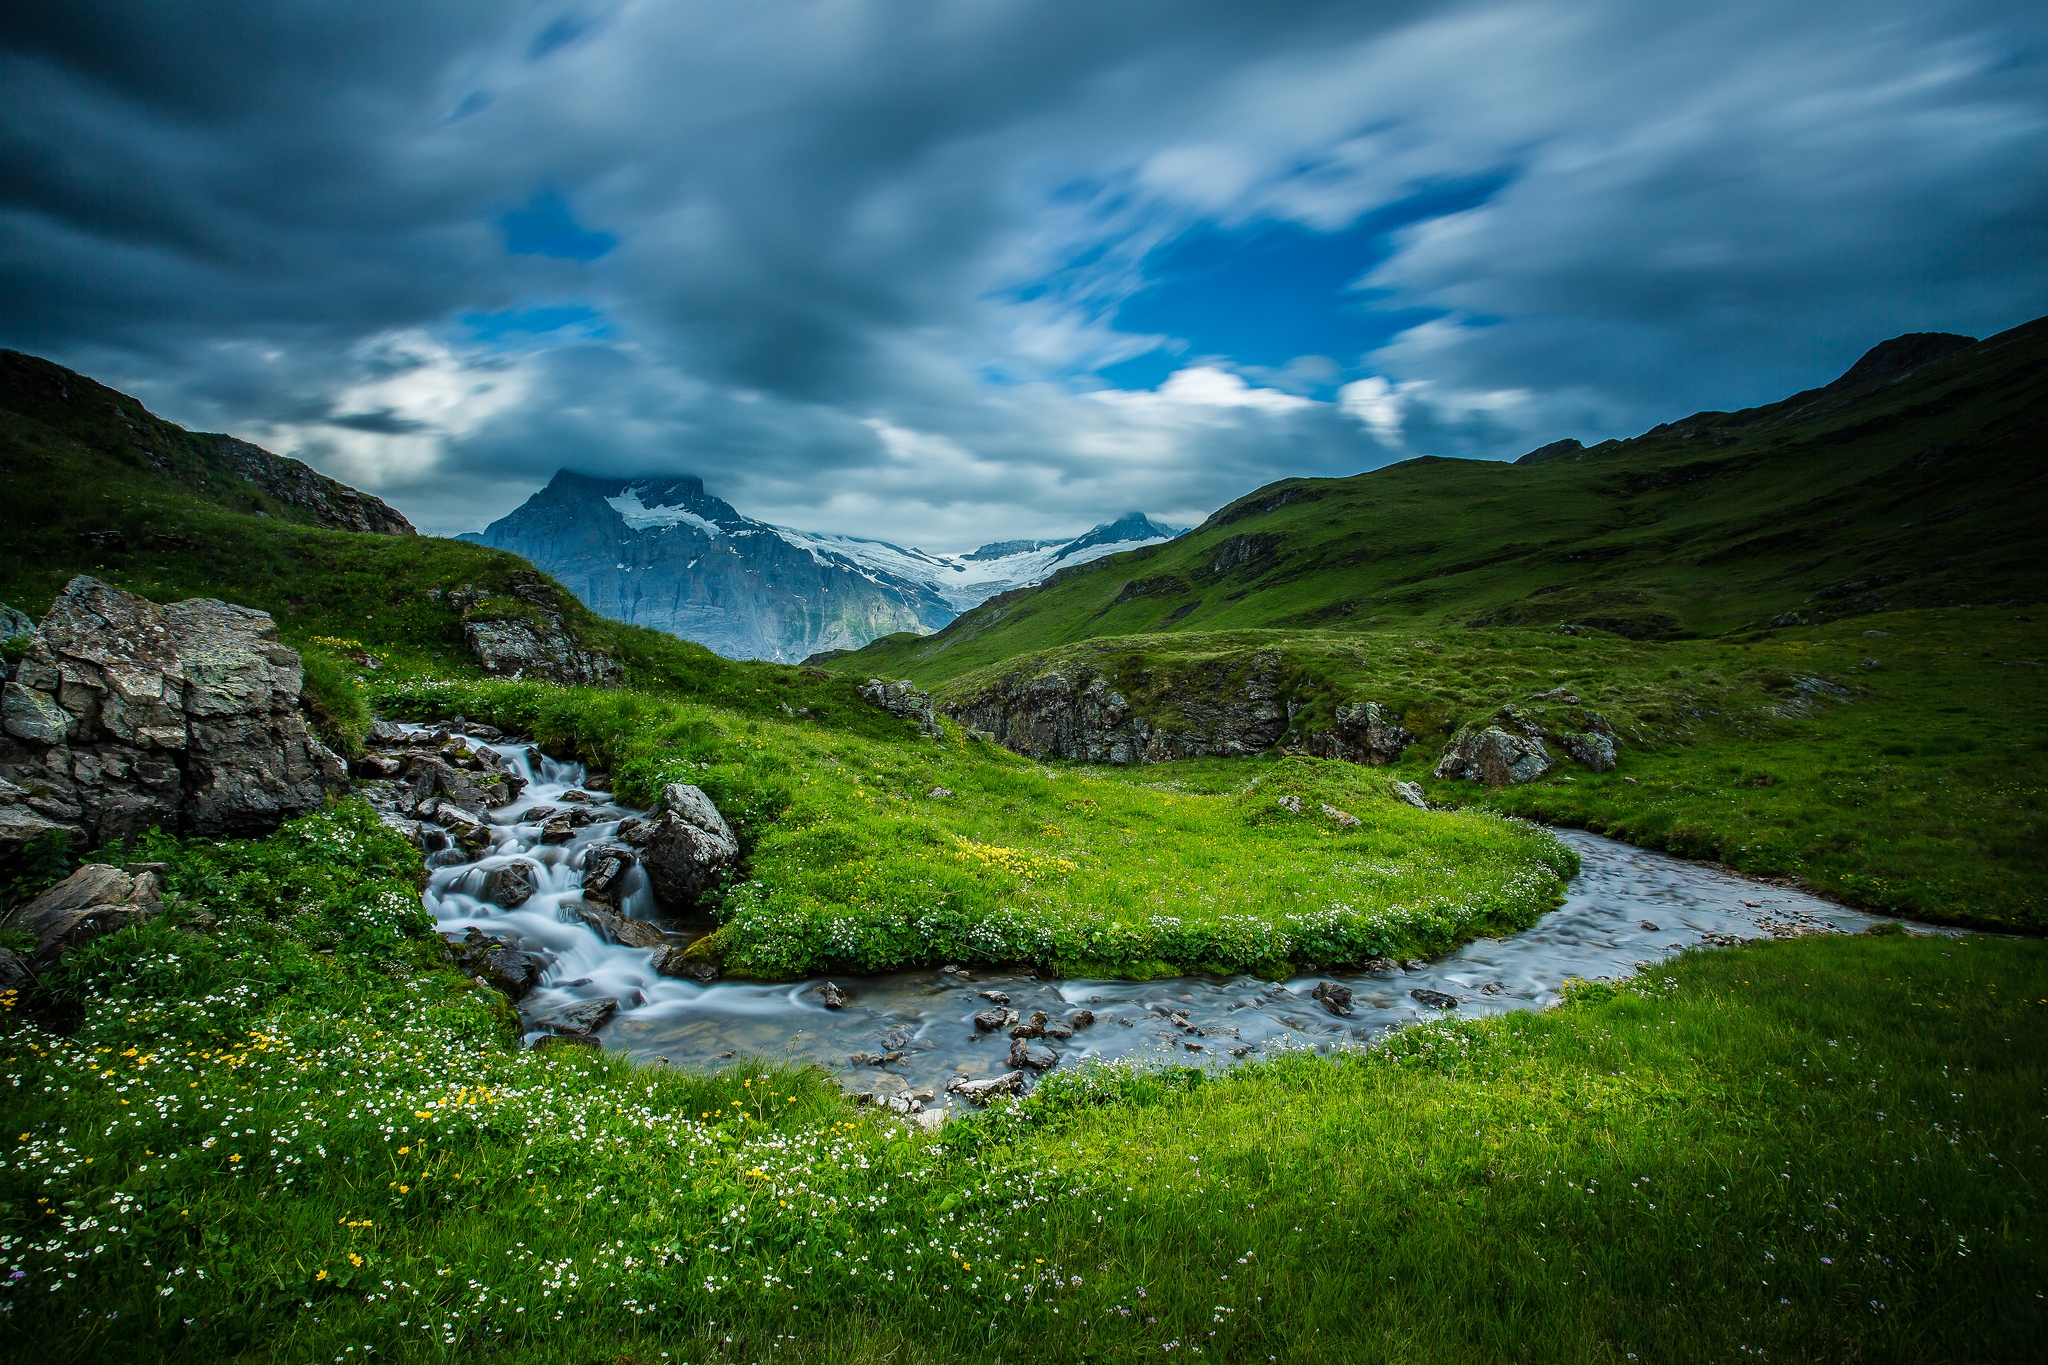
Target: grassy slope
{"x":1921,"y":793}
{"x":1815,"y":1150}
{"x":1858,"y":510}
{"x":1720,"y":521}
{"x":854,"y":865}
{"x":100,"y":462}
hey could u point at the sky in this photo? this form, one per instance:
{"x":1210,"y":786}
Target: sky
{"x":946,"y":273}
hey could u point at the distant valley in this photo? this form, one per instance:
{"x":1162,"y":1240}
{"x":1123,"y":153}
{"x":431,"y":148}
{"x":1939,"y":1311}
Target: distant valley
{"x":664,"y":553}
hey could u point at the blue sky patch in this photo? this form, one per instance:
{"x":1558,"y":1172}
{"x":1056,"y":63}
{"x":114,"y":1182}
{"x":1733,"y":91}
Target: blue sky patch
{"x":547,"y":227}
{"x":1266,"y":292}
{"x":511,"y":326}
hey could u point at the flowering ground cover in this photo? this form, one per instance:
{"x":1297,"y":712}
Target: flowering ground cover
{"x":855,"y":864}
{"x":291,"y":1133}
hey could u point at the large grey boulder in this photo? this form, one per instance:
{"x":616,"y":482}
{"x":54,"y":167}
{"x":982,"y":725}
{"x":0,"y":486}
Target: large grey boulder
{"x":1493,"y":756}
{"x":1361,"y":732}
{"x":685,"y":848}
{"x":96,"y":899}
{"x":124,"y":715}
{"x":1593,"y":748}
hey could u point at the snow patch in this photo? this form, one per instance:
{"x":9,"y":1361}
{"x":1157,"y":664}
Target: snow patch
{"x":643,"y":518}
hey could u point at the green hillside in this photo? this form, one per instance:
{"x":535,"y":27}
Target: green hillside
{"x":1918,"y":491}
{"x":94,"y":483}
{"x":1813,"y":625}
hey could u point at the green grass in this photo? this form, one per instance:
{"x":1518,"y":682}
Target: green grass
{"x":230,"y":1144}
{"x":854,"y":865}
{"x":1919,"y":793}
{"x":1924,"y":492}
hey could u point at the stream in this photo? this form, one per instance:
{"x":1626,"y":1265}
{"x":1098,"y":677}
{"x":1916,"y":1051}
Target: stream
{"x":902,"y":1037}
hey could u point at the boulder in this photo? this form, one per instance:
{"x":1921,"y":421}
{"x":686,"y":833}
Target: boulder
{"x":1081,"y":1019}
{"x":1344,"y":818}
{"x":1361,"y":732}
{"x":604,"y":873}
{"x":124,"y":714}
{"x":903,"y":699}
{"x":96,"y":899}
{"x":498,"y":964}
{"x":677,"y":962}
{"x":831,"y":997}
{"x":1336,"y":998}
{"x":982,"y":1091}
{"x":474,"y":788}
{"x":990,"y":1021}
{"x":512,"y":885}
{"x":686,"y":849}
{"x":15,"y":977}
{"x":1409,"y":793}
{"x":1492,"y":756}
{"x":584,"y":1017}
{"x":1436,"y":1000}
{"x":1024,"y":1053}
{"x":1591,"y":748}
{"x":613,"y":927}
{"x":995,"y":997}
{"x":536,"y":645}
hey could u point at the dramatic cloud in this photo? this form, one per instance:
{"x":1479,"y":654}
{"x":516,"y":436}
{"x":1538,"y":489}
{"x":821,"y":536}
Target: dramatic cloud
{"x":947,"y":273}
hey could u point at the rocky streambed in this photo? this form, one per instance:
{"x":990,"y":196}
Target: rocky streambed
{"x":550,"y":895}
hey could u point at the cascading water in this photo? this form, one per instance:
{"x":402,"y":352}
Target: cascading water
{"x":904,"y":1036}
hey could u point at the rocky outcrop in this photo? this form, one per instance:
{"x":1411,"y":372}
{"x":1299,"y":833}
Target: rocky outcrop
{"x":1492,"y":756}
{"x":530,"y":640}
{"x":903,"y":699}
{"x":1361,"y":732}
{"x":334,"y":504}
{"x":125,"y":715}
{"x":1078,"y":714}
{"x":686,"y":848}
{"x":96,"y":899}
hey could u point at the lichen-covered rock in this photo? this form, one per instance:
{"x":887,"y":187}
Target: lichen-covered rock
{"x":124,"y":715}
{"x":542,"y":650}
{"x":1409,"y":793}
{"x":1592,"y":748}
{"x":1492,"y":756}
{"x":1361,"y":732}
{"x":686,"y":848}
{"x":1076,"y":713}
{"x":902,"y":699}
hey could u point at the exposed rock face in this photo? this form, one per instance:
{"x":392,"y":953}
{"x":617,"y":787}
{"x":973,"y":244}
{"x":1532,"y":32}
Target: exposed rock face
{"x":1077,"y":714}
{"x":96,"y":899}
{"x":335,"y":504}
{"x":126,"y":715}
{"x":1493,"y":756}
{"x":902,"y":699}
{"x":535,"y":644}
{"x":1363,"y":732}
{"x":686,"y":848}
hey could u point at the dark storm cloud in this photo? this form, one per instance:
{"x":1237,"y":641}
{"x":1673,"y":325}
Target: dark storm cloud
{"x":861,"y":264}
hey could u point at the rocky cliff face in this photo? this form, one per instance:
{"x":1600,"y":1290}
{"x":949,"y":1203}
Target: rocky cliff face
{"x":123,"y":715}
{"x":666,"y":554}
{"x":1076,"y":713}
{"x":335,"y":505}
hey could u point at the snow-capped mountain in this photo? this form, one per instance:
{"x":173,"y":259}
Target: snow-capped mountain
{"x":662,"y":552}
{"x":968,"y":580}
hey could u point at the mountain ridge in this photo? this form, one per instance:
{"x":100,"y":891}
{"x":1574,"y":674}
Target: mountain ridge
{"x":661,"y":551}
{"x":1828,"y":502}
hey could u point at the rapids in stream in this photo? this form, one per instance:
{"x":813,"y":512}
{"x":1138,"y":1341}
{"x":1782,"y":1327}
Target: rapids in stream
{"x":908,"y":1034}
